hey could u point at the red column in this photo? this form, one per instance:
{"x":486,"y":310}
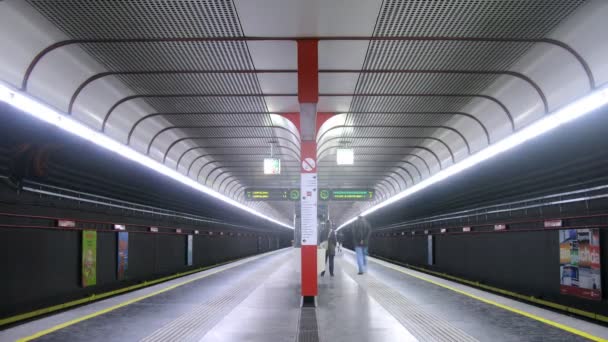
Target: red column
{"x":308,"y":212}
{"x":309,"y":123}
{"x":308,"y":96}
{"x":308,"y":71}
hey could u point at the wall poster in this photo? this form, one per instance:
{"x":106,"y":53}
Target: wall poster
{"x":579,"y":263}
{"x":89,"y":258}
{"x":189,"y":251}
{"x":123,"y":255}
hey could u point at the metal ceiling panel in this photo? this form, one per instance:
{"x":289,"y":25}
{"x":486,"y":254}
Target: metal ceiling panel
{"x":308,"y":18}
{"x":192,"y":84}
{"x":218,"y":119}
{"x":141,"y":18}
{"x":274,"y":54}
{"x":473,"y":18}
{"x":217,"y":104}
{"x":343,"y":54}
{"x":282,"y":104}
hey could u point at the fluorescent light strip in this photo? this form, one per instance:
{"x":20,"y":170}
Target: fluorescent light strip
{"x":574,"y":110}
{"x":45,"y":113}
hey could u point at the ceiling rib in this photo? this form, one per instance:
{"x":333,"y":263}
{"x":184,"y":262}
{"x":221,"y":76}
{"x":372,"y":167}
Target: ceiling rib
{"x":67,"y":42}
{"x":518,"y":75}
{"x":218,"y":127}
{"x":219,"y":138}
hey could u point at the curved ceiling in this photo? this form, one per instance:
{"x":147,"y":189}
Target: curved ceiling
{"x":199,"y":85}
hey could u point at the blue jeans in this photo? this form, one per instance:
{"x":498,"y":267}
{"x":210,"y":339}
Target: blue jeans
{"x":361,"y":258}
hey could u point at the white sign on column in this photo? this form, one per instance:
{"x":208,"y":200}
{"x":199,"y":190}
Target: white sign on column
{"x":308,"y":202}
{"x":308,"y":193}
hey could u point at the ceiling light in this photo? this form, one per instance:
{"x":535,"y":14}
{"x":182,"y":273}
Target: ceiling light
{"x":572,"y":111}
{"x":45,"y":113}
{"x":272,"y":166}
{"x":345,"y":156}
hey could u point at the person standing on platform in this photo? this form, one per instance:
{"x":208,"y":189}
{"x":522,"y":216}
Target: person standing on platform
{"x":361,"y":233}
{"x":330,"y":252}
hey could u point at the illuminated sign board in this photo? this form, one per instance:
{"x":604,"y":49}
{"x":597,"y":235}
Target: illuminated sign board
{"x":272,"y":166}
{"x":352,"y":195}
{"x":267,"y":194}
{"x":282,"y":194}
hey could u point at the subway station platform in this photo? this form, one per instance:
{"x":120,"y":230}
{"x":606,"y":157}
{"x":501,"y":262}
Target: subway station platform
{"x":257,"y":299}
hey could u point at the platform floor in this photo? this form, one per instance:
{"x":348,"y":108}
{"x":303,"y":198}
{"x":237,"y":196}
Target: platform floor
{"x":257,"y":299}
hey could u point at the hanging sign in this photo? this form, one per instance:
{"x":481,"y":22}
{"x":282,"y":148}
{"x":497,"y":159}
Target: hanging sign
{"x":272,"y":166}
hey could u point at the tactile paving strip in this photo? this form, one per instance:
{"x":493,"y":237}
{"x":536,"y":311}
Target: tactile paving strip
{"x":193,"y":325}
{"x":421,"y":324}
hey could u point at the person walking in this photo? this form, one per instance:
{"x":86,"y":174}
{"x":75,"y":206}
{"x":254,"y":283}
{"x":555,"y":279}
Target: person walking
{"x":330,"y":252}
{"x":361,"y":233}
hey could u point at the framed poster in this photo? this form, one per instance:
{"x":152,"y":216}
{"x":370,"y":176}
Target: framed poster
{"x":89,"y":258}
{"x":189,"y":250}
{"x":579,"y":263}
{"x":123,"y":255}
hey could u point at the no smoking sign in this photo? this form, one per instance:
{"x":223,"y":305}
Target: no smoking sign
{"x":308,"y":164}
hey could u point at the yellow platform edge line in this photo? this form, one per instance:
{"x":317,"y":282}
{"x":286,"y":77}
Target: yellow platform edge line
{"x":491,"y":302}
{"x":96,"y":297}
{"x":234,"y":263}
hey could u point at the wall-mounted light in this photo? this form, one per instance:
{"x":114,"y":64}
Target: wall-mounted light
{"x":584,"y":105}
{"x":45,"y":113}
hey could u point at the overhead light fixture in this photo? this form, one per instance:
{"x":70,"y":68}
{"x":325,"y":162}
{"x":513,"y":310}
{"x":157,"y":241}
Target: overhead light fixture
{"x":345,"y":156}
{"x":45,"y":113}
{"x":570,"y":112}
{"x":272,"y":166}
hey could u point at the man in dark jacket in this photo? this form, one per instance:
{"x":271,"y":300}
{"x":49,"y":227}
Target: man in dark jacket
{"x":361,"y":234}
{"x":330,"y":253}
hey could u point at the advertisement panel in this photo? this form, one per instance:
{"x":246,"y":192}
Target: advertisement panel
{"x":579,"y":263}
{"x":189,"y":250}
{"x":123,"y":255}
{"x":89,"y":258}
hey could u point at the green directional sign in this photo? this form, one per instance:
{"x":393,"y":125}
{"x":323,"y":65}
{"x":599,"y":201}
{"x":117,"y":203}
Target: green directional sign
{"x":281,"y":194}
{"x":266,"y":194}
{"x":352,"y":195}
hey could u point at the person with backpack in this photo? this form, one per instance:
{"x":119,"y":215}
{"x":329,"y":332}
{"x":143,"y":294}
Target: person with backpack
{"x":330,"y":252}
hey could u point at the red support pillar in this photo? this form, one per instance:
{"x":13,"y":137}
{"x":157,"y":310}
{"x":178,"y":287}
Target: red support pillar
{"x":308,"y":71}
{"x":308,"y":96}
{"x":308,"y":212}
{"x":308,"y":122}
